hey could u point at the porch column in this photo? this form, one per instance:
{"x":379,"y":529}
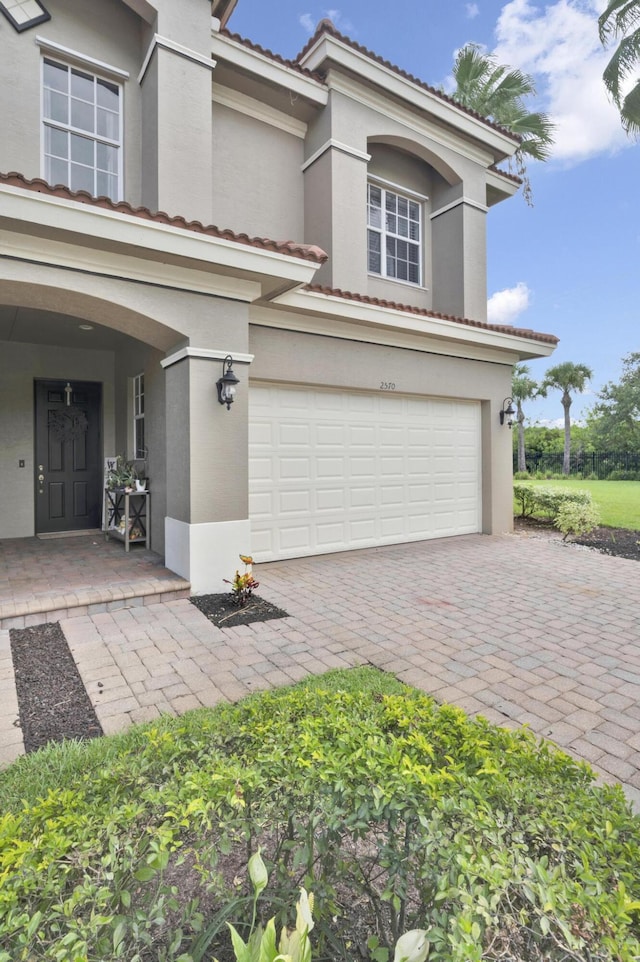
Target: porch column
{"x":207,"y":521}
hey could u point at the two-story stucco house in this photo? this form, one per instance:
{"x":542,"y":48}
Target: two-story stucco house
{"x":345,"y":278}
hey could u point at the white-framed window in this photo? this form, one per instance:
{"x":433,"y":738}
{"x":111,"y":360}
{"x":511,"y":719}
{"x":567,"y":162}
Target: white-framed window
{"x":139,"y":448}
{"x":23,"y":14}
{"x":82,"y":129}
{"x":394,"y":235}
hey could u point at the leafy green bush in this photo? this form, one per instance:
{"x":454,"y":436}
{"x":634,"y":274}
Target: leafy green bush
{"x":397,"y":813}
{"x":521,"y":476}
{"x":623,"y":476}
{"x":547,"y":500}
{"x":576,"y":519}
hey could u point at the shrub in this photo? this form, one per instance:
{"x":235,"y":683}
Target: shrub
{"x":547,"y":500}
{"x":521,"y":476}
{"x":623,"y":476}
{"x":397,"y":813}
{"x":576,"y":519}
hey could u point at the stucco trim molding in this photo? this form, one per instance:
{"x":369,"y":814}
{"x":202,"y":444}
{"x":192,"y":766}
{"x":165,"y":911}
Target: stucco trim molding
{"x":332,"y":144}
{"x":467,"y":201}
{"x":166,"y":44}
{"x":49,"y":46}
{"x":205,"y":354}
{"x":243,"y":104}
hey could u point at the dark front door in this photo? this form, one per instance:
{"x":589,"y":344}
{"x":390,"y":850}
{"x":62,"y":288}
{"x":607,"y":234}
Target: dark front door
{"x":68,"y":467}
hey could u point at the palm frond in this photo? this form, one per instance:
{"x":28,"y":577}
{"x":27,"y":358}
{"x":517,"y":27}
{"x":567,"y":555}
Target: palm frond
{"x":625,"y":59}
{"x":619,"y":17}
{"x":630,"y":111}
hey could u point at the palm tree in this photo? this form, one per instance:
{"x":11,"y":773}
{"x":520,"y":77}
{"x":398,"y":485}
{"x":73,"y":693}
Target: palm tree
{"x":499,"y":92}
{"x":522,"y":389}
{"x":621,"y":19}
{"x":567,"y":377}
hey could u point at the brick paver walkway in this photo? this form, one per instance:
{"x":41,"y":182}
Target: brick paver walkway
{"x":518,"y":629}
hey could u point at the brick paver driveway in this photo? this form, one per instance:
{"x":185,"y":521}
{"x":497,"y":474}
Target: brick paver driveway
{"x":521,"y":630}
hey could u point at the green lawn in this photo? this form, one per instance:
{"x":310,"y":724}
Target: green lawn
{"x":617,"y":501}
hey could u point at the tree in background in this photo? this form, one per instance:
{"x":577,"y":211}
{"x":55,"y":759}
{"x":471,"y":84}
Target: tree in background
{"x":522,"y":389}
{"x":567,"y":377}
{"x":614,"y":421}
{"x":621,"y":22}
{"x":499,"y":92}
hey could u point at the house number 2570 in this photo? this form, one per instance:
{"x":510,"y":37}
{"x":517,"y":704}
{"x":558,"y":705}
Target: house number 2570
{"x":387,"y":386}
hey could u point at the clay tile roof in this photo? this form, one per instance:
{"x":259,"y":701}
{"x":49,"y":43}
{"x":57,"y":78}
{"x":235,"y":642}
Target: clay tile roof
{"x":505,"y":173}
{"x":327,"y":26}
{"x":292,"y":64}
{"x":422,"y":312}
{"x":307,"y":252}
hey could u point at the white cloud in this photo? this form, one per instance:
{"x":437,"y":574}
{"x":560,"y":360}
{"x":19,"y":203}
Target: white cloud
{"x":307,"y":21}
{"x":473,"y":10}
{"x":504,"y":306}
{"x":558,"y":44}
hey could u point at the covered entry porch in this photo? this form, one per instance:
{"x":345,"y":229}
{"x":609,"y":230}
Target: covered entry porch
{"x":45,"y":579}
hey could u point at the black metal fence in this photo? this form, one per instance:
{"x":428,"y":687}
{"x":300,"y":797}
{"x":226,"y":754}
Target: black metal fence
{"x":597,"y":464}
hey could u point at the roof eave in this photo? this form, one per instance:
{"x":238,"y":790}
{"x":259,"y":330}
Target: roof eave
{"x":328,"y":49}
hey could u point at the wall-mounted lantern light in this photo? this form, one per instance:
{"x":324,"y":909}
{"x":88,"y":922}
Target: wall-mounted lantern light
{"x":227,"y":383}
{"x":508,"y":411}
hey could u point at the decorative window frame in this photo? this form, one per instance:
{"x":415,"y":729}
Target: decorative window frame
{"x":412,"y":197}
{"x":72,"y":60}
{"x":6,"y":6}
{"x":138,"y":417}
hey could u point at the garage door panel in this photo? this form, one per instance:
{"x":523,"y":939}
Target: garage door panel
{"x":392,"y":436}
{"x":295,"y":537}
{"x":362,"y":467}
{"x":328,"y":468}
{"x":330,"y":537}
{"x":320,"y":463}
{"x":390,"y":467}
{"x":295,"y":434}
{"x":362,"y":435}
{"x":330,"y":435}
{"x":364,"y":530}
{"x":261,"y":504}
{"x":331,"y":499}
{"x":292,"y":502}
{"x":295,"y":468}
{"x":392,"y":495}
{"x":261,"y":469}
{"x":362,"y":497}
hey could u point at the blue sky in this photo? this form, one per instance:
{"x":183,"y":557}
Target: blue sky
{"x":569,"y":266}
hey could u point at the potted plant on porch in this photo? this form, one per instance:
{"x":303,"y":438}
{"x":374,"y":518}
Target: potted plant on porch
{"x":122,"y":476}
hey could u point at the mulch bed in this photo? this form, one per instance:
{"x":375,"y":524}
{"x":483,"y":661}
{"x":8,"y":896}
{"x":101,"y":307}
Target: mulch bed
{"x":618,"y":542}
{"x":53,"y":703}
{"x":223,"y":613}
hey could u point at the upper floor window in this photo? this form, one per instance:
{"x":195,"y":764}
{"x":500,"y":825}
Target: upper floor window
{"x":394,"y":235}
{"x":23,"y":14}
{"x":82,"y":118}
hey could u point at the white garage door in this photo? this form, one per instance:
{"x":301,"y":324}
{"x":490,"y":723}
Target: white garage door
{"x":331,"y":471}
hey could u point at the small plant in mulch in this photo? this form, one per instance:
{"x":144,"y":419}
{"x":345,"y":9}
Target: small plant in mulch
{"x":243,"y":585}
{"x":239,"y":606}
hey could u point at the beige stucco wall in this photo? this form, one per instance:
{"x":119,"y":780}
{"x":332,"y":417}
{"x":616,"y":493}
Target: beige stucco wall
{"x":170,"y":172}
{"x":455,"y":259}
{"x":291,"y":357}
{"x":105,"y":30}
{"x":257,"y":177}
{"x":188,"y":437}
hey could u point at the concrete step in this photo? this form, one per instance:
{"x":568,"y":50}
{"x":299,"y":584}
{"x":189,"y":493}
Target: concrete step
{"x":43,"y":608}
